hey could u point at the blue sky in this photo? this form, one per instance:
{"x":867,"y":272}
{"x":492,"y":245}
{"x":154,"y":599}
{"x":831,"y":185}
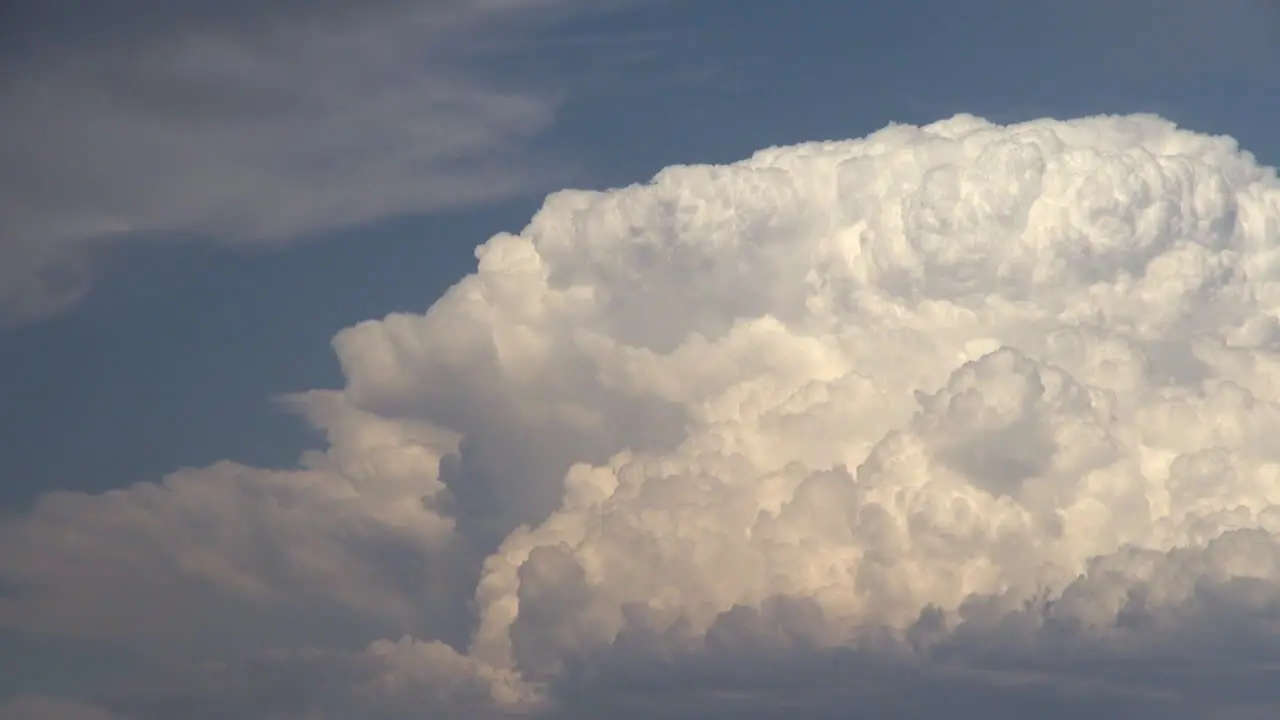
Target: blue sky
{"x":173,"y":358}
{"x":175,"y":350}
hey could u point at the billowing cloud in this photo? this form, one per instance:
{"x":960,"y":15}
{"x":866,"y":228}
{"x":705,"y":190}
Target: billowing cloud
{"x":254,"y":123}
{"x":954,"y":416}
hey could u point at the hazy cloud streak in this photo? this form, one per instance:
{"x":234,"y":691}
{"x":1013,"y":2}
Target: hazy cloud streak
{"x":253,"y":123}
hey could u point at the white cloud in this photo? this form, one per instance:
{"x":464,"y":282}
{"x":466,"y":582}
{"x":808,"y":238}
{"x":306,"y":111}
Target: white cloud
{"x":983,"y":412}
{"x":254,"y":123}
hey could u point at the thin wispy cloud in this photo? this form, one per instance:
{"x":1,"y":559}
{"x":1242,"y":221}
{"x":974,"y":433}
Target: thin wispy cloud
{"x":255,"y":123}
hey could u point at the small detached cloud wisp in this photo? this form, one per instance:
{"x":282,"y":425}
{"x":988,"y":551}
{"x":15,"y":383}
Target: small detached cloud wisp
{"x":962,"y":417}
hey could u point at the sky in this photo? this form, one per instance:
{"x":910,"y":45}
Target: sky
{"x":228,"y":240}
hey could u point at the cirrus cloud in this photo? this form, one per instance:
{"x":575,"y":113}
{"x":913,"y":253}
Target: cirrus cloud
{"x":255,"y":124}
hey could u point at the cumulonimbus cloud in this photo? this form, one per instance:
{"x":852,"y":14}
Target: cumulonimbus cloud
{"x":956,"y":406}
